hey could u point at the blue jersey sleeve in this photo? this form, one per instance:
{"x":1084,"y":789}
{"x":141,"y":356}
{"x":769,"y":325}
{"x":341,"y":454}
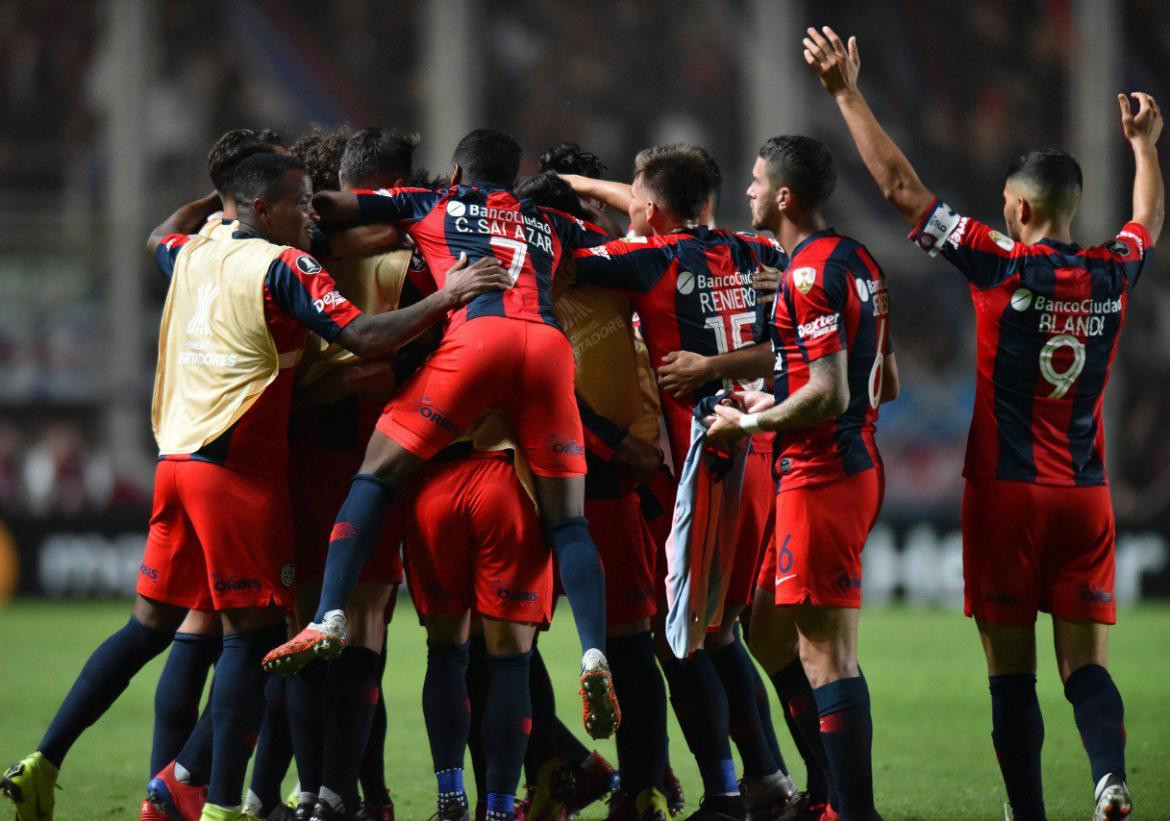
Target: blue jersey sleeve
{"x":574,"y":232}
{"x":168,"y":251}
{"x":634,"y":264}
{"x":983,"y":255}
{"x":402,"y":206}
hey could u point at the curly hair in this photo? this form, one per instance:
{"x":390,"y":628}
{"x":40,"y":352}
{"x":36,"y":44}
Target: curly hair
{"x":570,"y":158}
{"x":320,"y":150}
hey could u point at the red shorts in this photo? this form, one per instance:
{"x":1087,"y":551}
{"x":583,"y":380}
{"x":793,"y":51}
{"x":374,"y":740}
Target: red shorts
{"x":525,"y":369}
{"x":628,"y":553}
{"x":219,"y":539}
{"x":820,"y":530}
{"x":757,"y":498}
{"x":473,"y":542}
{"x":326,"y":450}
{"x":1033,"y":547}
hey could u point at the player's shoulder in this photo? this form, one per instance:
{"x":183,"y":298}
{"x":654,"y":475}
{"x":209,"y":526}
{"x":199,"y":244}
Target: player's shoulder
{"x":1133,"y":241}
{"x":752,"y":238}
{"x":300,"y":262}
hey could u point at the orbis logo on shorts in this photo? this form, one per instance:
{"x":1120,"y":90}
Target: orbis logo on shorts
{"x":518,"y":596}
{"x":559,"y":445}
{"x":148,"y":572}
{"x":846,"y":582}
{"x":436,"y":416}
{"x":226,"y":584}
{"x":1096,"y":595}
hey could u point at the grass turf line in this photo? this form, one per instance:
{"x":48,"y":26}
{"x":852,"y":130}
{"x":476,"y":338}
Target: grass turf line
{"x":932,"y":748}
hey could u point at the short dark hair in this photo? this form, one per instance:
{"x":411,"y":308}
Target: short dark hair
{"x":270,"y":136}
{"x":549,"y":191}
{"x":490,"y":156}
{"x":320,"y":151}
{"x":803,"y":165}
{"x":230,"y":149}
{"x":1054,"y":176}
{"x":712,"y":170}
{"x":678,"y":175}
{"x":260,"y":175}
{"x":570,"y":158}
{"x":373,"y":153}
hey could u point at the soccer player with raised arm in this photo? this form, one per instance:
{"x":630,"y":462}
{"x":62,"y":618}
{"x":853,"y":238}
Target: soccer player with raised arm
{"x":833,"y":368}
{"x":504,"y":350}
{"x":234,"y":323}
{"x":1038,"y":527}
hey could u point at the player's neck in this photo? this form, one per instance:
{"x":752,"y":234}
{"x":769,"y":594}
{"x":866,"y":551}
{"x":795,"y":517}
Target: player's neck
{"x":791,"y":233}
{"x":1031,"y":234}
{"x":248,"y":226}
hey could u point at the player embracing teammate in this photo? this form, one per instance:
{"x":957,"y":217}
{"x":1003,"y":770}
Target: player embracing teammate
{"x":1038,"y":528}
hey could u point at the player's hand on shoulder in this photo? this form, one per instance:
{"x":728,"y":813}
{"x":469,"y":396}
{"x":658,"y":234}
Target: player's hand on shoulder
{"x":466,"y":282}
{"x":683,"y":372}
{"x":766,"y":281}
{"x":1146,"y":125}
{"x":640,"y":458}
{"x":836,"y":63}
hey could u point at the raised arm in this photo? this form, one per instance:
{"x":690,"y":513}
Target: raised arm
{"x":1142,"y":130}
{"x":186,"y":220}
{"x":336,"y":206}
{"x":838,"y":66}
{"x":614,"y":194}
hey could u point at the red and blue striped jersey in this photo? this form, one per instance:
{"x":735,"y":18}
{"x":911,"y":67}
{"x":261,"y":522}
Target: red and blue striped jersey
{"x":483,"y":220}
{"x":692,"y":290}
{"x":832,"y":298}
{"x":1048,"y":318}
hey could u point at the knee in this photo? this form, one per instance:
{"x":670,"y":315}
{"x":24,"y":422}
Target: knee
{"x":824,"y":665}
{"x":366,"y":616}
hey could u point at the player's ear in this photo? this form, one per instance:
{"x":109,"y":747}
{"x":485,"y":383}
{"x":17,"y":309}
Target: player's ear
{"x":1024,"y":211}
{"x":260,"y":208}
{"x":456,"y":173}
{"x":784,"y":199}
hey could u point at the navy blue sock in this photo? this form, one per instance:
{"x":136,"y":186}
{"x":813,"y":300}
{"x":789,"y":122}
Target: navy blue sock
{"x":1017,"y":730}
{"x":641,"y":738}
{"x":237,"y":704}
{"x":177,"y":694}
{"x":507,"y":721}
{"x":568,"y":747}
{"x":451,"y":790}
{"x":582,"y":576}
{"x":274,"y":749}
{"x":764,"y":710}
{"x":373,"y":773}
{"x":847,"y":733}
{"x":700,"y":704}
{"x":306,"y":721}
{"x":351,"y":693}
{"x":195,"y":757}
{"x":446,"y":705}
{"x":104,"y":677}
{"x":542,"y":744}
{"x":477,"y":687}
{"x":357,"y":529}
{"x":734,"y":667}
{"x":800,"y":712}
{"x":500,"y":807}
{"x":1100,"y":716}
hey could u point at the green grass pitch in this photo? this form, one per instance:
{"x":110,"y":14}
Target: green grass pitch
{"x":932,"y":749}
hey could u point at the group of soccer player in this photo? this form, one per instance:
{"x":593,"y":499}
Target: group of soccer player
{"x":500,"y":384}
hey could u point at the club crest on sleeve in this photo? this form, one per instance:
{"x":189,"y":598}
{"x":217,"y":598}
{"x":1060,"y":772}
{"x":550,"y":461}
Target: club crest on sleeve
{"x":804,"y":279}
{"x":308,"y":265}
{"x":1002,"y":241}
{"x":1118,"y":246}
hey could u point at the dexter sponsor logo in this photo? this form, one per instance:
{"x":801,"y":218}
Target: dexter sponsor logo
{"x":330,"y":299}
{"x":819,"y":327}
{"x":224,"y":584}
{"x":517,"y":596}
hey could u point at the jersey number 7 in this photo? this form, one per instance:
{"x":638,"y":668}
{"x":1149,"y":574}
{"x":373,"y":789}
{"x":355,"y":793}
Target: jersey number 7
{"x":519,"y":252}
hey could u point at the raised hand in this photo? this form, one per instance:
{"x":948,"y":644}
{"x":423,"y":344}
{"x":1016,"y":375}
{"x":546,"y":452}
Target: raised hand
{"x":836,"y":64}
{"x":1146,"y":125}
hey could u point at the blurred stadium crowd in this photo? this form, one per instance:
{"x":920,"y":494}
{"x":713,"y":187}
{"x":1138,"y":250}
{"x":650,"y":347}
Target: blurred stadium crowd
{"x":613,"y":75}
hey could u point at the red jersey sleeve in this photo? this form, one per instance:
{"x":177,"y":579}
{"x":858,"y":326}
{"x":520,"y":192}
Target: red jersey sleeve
{"x":168,"y":251}
{"x":1130,"y":248}
{"x":297,"y":285}
{"x":983,"y":255}
{"x":816,"y":299}
{"x":635,"y":264}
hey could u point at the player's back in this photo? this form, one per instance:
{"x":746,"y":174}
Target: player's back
{"x":485,"y":220}
{"x":1049,"y":316}
{"x":832,"y":298}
